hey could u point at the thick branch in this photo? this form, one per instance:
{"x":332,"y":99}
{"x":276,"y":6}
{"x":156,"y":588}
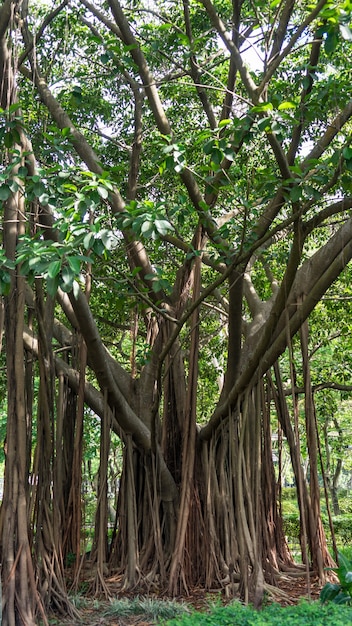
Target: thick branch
{"x":333,"y":209}
{"x":332,"y":130}
{"x":312,"y":281}
{"x":281,"y":29}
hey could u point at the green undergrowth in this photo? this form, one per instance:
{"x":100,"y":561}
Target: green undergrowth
{"x":150,"y":608}
{"x":303,"y":614}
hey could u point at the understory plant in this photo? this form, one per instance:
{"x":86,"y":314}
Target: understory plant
{"x":236,"y":614}
{"x":341,"y":592}
{"x":151,"y":608}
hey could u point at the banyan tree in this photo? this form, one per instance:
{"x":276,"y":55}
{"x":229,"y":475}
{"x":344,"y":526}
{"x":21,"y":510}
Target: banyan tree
{"x":175,"y":191}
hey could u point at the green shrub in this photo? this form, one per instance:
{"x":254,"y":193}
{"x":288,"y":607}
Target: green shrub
{"x":304,"y":614}
{"x":291,"y":526}
{"x":342,"y":527}
{"x":345,"y":501}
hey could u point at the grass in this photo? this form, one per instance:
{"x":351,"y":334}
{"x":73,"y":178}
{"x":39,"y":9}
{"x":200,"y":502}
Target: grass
{"x":175,"y":613}
{"x":303,"y":614}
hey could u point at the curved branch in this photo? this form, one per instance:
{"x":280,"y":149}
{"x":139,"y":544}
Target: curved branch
{"x":281,"y":29}
{"x":47,"y":20}
{"x":219,"y":26}
{"x":300,"y":30}
{"x":195,"y":70}
{"x":336,"y":207}
{"x":102,"y":18}
{"x":136,"y":146}
{"x":320,"y":387}
{"x":95,"y":400}
{"x":160,"y":117}
{"x":332,"y":130}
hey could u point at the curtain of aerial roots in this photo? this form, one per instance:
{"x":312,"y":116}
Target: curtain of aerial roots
{"x":20,"y":597}
{"x":137,"y":548}
{"x":99,"y":554}
{"x":320,"y":556}
{"x":242,"y":531}
{"x":182,"y":561}
{"x":312,"y":538}
{"x":72,"y":446}
{"x":47,"y":522}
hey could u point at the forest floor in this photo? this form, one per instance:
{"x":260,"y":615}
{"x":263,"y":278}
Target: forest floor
{"x":104,"y":612}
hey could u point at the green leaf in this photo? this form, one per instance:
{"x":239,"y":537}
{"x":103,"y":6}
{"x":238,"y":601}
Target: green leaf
{"x":88,"y":240}
{"x":209,"y":146}
{"x":265,"y":124}
{"x":52,"y":285}
{"x":344,"y":563}
{"x":66,"y":132}
{"x":8,"y":140}
{"x":162,"y":226}
{"x":54,"y":268}
{"x":68,"y":277}
{"x":331,"y":42}
{"x":14,"y":186}
{"x":262,"y":108}
{"x":342,"y":598}
{"x":5,"y":192}
{"x":109,"y":239}
{"x":216,"y":156}
{"x":156,"y":286}
{"x":224,"y":123}
{"x":329,"y":592}
{"x":347,"y":153}
{"x":147,"y":228}
{"x":295,"y":193}
{"x":22,"y":171}
{"x":287,"y":104}
{"x":34,"y":262}
{"x":74,"y":263}
{"x":5,"y":283}
{"x":38,"y":189}
{"x":103,"y":192}
{"x":105,"y":58}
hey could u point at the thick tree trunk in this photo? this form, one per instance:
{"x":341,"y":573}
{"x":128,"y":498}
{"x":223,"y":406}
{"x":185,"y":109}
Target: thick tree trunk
{"x":20,"y":597}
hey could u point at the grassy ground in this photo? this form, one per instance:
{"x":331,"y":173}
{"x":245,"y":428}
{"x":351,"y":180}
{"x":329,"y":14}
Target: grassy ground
{"x":304,"y":614}
{"x":154,"y":612}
